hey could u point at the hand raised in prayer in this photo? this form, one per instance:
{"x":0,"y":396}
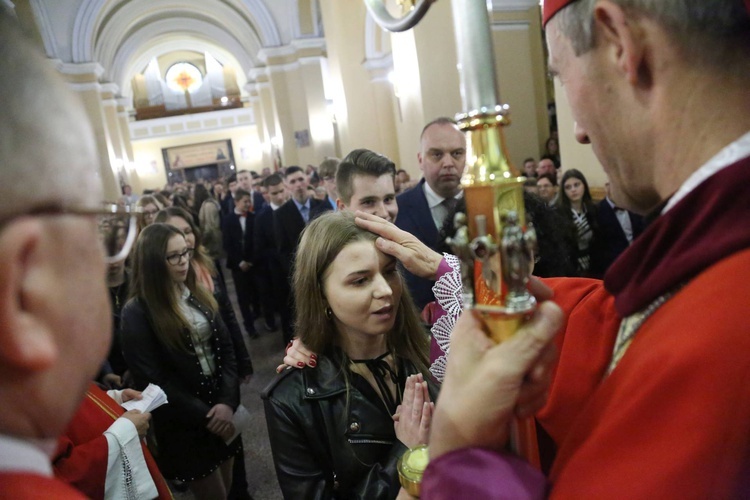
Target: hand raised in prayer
{"x":414,"y":415}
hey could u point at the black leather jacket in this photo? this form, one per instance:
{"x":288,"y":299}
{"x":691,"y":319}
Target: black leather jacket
{"x":325,"y":446}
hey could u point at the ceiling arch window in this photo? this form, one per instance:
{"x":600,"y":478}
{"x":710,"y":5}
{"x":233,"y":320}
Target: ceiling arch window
{"x":184,"y":77}
{"x":192,"y":82}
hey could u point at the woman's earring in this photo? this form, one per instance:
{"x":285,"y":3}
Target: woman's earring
{"x":329,"y":313}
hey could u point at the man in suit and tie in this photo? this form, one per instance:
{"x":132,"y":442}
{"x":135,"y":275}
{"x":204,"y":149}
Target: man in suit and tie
{"x":617,"y":228}
{"x":289,"y":221}
{"x":268,"y":265}
{"x":238,"y":245}
{"x":423,"y":209}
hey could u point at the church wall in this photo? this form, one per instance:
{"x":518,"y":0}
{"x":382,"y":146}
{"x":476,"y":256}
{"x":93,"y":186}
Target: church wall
{"x":150,"y":163}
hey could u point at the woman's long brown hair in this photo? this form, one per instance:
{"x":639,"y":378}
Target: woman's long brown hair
{"x":153,"y":287}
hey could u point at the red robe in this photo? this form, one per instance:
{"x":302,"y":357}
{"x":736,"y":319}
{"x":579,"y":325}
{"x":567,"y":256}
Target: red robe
{"x":81,"y":459}
{"x":673,"y":419}
{"x":25,"y":486}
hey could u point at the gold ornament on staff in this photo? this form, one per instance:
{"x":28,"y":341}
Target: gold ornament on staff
{"x":493,"y":241}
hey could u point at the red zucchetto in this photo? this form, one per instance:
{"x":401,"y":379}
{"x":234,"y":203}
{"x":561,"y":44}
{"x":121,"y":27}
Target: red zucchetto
{"x":552,"y":7}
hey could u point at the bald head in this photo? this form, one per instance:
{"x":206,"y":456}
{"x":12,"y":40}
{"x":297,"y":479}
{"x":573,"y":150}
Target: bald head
{"x":45,"y":137}
{"x":55,"y":318}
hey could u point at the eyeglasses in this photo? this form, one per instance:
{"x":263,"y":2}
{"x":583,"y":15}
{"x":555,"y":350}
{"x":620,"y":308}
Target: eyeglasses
{"x":176,"y":258}
{"x":116,"y":225}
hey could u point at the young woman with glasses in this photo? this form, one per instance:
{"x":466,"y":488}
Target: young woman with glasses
{"x":173,"y":336}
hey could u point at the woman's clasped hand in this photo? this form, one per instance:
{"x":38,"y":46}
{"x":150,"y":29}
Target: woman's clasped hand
{"x":414,"y":415}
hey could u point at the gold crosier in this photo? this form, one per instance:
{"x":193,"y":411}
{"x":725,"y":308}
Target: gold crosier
{"x":493,"y":242}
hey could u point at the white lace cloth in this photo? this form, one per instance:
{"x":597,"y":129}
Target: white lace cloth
{"x":447,"y":290}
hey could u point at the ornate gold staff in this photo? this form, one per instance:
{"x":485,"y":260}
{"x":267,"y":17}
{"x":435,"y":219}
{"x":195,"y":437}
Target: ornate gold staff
{"x":492,"y":241}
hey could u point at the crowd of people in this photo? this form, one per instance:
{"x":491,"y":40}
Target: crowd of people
{"x":636,"y":383}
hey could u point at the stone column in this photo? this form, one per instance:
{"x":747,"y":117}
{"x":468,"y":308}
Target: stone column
{"x":260,"y":125}
{"x":320,"y":124}
{"x":84,"y":80}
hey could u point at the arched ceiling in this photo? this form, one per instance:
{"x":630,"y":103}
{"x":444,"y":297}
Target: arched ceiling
{"x":124,"y":35}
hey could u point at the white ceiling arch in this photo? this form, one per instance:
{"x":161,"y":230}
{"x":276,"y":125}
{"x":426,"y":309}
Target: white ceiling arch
{"x":166,"y":44}
{"x":140,"y":19}
{"x":135,"y":53}
{"x":94,"y":17}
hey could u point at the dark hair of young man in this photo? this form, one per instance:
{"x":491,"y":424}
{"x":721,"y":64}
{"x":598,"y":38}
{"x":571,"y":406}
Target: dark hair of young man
{"x":550,"y":177}
{"x":293,"y":169}
{"x":272,"y":180}
{"x":240,"y":193}
{"x":361,"y":162}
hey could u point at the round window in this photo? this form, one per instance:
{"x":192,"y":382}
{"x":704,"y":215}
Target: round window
{"x":183,"y":77}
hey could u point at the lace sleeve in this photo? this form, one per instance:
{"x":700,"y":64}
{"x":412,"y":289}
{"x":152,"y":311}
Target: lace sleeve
{"x":447,"y":292}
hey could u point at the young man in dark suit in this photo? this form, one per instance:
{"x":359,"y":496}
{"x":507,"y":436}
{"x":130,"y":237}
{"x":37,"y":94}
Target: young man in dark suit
{"x":617,"y":229}
{"x":268,"y":265}
{"x":238,"y":245}
{"x":289,"y":221}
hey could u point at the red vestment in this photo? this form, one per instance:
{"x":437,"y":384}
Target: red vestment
{"x":23,"y":486}
{"x":82,"y":453}
{"x":671,"y":420}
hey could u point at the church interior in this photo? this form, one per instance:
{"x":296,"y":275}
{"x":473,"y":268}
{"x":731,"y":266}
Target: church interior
{"x":205,"y":87}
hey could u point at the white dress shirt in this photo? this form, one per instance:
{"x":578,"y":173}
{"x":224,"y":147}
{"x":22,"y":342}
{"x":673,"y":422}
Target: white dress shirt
{"x":434,"y":201}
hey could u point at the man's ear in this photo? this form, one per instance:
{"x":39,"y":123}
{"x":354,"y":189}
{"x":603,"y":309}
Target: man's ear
{"x":340,"y":204}
{"x":625,"y":39}
{"x":27,"y":340}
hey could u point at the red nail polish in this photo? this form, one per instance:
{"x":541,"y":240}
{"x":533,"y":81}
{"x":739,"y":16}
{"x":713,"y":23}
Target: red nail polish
{"x":300,"y":364}
{"x":314,"y":356}
{"x":313,"y":363}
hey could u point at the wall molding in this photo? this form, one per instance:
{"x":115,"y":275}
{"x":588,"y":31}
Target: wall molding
{"x":191,"y":124}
